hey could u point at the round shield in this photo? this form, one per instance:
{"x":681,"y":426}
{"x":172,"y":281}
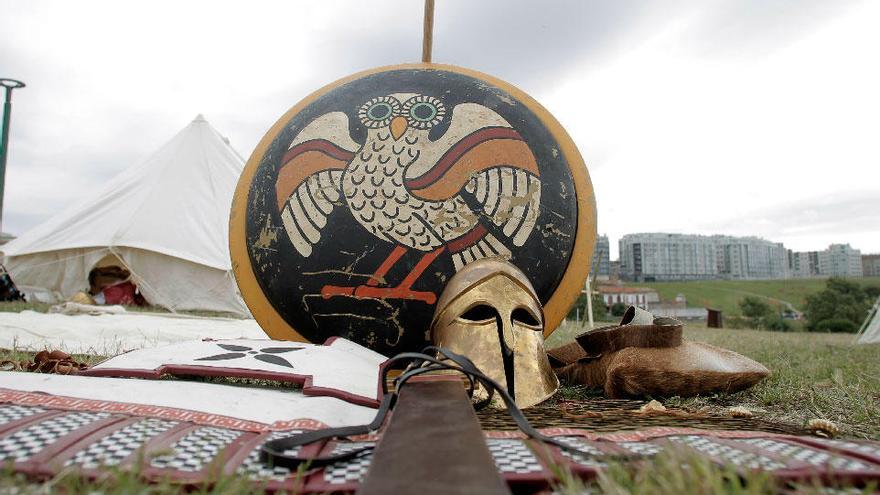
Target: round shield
{"x":367,"y":196}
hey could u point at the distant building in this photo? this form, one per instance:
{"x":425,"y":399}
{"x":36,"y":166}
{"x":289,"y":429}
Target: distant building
{"x":750,"y":258}
{"x":630,"y":296}
{"x":600,"y":266}
{"x":803,"y":264}
{"x":871,"y":265}
{"x":840,"y":260}
{"x":656,"y":257}
{"x":615,"y":270}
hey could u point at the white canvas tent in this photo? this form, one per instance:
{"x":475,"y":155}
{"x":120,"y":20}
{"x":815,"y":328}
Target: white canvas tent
{"x":165,"y":220}
{"x":870,"y":331}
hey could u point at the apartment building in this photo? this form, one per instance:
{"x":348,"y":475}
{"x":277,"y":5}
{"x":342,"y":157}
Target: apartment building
{"x":600,"y":265}
{"x":658,"y":256}
{"x":839,"y":260}
{"x":871,"y":265}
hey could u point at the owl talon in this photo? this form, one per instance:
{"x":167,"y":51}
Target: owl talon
{"x":329,"y":291}
{"x":366,"y":291}
{"x":370,"y":292}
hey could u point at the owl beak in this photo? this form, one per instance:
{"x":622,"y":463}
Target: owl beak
{"x":398,"y":127}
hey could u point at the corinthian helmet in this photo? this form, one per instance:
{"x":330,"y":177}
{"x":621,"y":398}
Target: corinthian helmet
{"x":490,"y":313}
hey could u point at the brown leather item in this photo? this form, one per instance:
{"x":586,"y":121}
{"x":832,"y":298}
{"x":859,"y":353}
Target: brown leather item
{"x":665,"y":332}
{"x":638,"y":359}
{"x":433,"y":444}
{"x":58,"y":362}
{"x":567,"y":354}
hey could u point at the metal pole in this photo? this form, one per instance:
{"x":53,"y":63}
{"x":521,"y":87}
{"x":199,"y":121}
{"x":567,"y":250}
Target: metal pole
{"x":589,"y":302}
{"x":9,"y":85}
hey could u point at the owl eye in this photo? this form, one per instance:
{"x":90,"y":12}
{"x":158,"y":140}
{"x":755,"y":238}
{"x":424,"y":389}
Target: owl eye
{"x":378,"y":112}
{"x":423,"y":112}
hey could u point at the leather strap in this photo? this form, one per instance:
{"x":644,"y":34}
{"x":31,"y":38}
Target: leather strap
{"x":433,"y":445}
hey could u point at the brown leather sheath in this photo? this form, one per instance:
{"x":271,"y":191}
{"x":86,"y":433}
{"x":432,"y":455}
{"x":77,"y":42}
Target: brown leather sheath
{"x":433,"y":444}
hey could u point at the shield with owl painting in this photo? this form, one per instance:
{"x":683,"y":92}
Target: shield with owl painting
{"x":366,"y":197}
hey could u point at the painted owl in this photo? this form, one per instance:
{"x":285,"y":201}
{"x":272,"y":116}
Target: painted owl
{"x":456,"y":194}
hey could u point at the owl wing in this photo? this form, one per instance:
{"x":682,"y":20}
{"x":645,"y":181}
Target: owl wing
{"x":483,"y":158}
{"x":308,"y":184}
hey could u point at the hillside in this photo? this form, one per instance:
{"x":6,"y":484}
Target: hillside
{"x":726,"y":294}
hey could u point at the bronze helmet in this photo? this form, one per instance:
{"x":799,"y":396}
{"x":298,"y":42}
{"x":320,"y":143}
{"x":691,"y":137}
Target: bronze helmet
{"x":490,"y":313}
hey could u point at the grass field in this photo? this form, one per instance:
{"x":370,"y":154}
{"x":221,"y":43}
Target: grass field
{"x":726,"y":294}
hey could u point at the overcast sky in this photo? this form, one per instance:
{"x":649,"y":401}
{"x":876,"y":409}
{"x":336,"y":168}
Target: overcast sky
{"x":753,"y":117}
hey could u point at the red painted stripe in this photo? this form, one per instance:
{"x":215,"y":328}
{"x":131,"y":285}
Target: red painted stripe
{"x":468,"y":239}
{"x":321,"y":145}
{"x":456,"y":152}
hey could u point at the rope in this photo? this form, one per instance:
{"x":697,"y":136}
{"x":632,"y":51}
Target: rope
{"x":428,"y":37}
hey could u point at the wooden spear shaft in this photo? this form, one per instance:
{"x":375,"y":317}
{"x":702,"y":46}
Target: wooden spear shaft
{"x":428,"y":37}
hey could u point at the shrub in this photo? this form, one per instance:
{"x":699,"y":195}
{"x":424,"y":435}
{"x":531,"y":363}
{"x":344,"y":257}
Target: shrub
{"x":618,"y":309}
{"x":775,"y":322}
{"x":836,"y":325}
{"x":840,"y":299}
{"x":600,"y":312}
{"x":755,"y":309}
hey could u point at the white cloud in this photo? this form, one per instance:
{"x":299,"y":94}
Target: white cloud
{"x":683,"y":141}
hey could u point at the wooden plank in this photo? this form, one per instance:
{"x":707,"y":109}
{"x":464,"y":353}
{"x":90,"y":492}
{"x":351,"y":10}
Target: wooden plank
{"x":433,"y":444}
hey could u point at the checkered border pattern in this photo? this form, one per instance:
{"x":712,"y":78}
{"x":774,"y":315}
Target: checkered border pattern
{"x":513,"y":456}
{"x":350,"y":470}
{"x":192,"y":452}
{"x":581,"y":444}
{"x":119,"y":445}
{"x":644,"y":449}
{"x":24,"y":444}
{"x":255,"y":468}
{"x":727,"y":453}
{"x":807,"y":454}
{"x":12,"y":412}
{"x":863,"y":448}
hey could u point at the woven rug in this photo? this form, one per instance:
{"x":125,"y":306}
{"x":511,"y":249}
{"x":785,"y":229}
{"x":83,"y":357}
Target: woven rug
{"x":607,"y":415}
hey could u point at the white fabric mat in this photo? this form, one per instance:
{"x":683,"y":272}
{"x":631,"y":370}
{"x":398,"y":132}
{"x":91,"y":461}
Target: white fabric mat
{"x":108,"y":335}
{"x":250,"y":404}
{"x":343,"y":368}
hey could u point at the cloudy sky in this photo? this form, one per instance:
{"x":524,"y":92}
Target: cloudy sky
{"x":736,"y":117}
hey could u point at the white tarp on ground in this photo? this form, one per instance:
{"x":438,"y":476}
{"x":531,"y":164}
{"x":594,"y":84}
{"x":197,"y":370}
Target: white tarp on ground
{"x":262,"y":405}
{"x":109,"y":335}
{"x":166,"y":219}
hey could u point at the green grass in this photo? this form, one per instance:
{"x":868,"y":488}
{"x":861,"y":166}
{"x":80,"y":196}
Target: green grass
{"x":815,"y":376}
{"x":726,"y":294}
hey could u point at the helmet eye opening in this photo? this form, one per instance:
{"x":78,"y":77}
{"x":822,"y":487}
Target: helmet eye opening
{"x":479,"y":313}
{"x":525,"y":317}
